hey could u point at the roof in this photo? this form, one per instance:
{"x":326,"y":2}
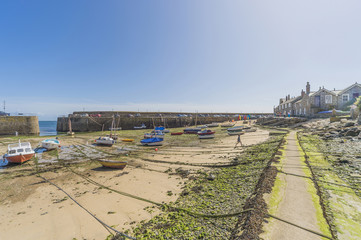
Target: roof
{"x":323,"y":89}
{"x":292,"y":100}
{"x":353,"y":85}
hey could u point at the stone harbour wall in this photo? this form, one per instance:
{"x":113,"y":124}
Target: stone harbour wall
{"x":24,"y":125}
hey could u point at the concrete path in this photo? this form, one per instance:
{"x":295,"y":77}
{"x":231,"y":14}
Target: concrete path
{"x":296,"y":203}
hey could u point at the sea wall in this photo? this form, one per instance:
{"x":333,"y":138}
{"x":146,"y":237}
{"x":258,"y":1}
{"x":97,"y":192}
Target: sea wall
{"x":24,"y":125}
{"x":91,"y":124}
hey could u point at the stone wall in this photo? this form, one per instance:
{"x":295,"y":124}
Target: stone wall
{"x":24,"y":125}
{"x":91,"y":124}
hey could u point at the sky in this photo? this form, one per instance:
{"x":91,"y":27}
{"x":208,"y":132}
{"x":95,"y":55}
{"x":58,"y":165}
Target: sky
{"x":57,"y":57}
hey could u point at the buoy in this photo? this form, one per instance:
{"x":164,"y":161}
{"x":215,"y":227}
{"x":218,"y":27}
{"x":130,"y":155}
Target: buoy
{"x":156,"y":149}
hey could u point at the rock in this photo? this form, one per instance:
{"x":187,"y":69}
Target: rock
{"x":349,"y":124}
{"x":211,"y":177}
{"x":352,"y":132}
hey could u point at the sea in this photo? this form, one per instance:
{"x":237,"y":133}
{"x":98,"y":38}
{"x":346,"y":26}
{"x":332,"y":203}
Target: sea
{"x":47,"y":128}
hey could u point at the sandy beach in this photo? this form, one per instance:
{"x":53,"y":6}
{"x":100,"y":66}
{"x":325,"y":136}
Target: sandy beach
{"x":33,"y":209}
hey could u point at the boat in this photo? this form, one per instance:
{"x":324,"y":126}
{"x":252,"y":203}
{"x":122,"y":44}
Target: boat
{"x":191,"y":130}
{"x":19,"y":152}
{"x":140,"y":127}
{"x":113,"y":163}
{"x":212,"y":125}
{"x":154,"y":134}
{"x":176,"y":133}
{"x":107,"y":141}
{"x":228,"y":125}
{"x":50,"y":144}
{"x":206,"y":134}
{"x":202,"y":126}
{"x":235,"y":133}
{"x":71,"y":133}
{"x":127,"y":140}
{"x":235,"y":130}
{"x":152,"y":142}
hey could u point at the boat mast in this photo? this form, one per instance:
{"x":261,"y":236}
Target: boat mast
{"x":70,"y":125}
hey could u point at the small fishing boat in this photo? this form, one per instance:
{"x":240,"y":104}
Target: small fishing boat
{"x":235,"y":130}
{"x":19,"y":152}
{"x":228,"y":125}
{"x":107,"y":141}
{"x":154,"y":134}
{"x":50,"y":144}
{"x":127,"y":140}
{"x":192,"y":130}
{"x":212,"y":125}
{"x":113,"y":163}
{"x":162,"y":129}
{"x":206,"y":134}
{"x":152,"y":142}
{"x":176,"y":133}
{"x":140,"y":127}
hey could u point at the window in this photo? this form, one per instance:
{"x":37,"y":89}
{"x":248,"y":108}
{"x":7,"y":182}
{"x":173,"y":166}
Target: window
{"x":20,"y":150}
{"x":345,"y":97}
{"x":328,"y":99}
{"x":27,"y":150}
{"x":12,"y":151}
{"x":289,"y":105}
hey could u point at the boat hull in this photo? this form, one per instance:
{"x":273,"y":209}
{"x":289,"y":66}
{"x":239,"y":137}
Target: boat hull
{"x":127,"y":140}
{"x":152,"y":144}
{"x":113,"y":164}
{"x":208,"y":136}
{"x":19,"y":158}
{"x":176,"y":133}
{"x":104,"y":142}
{"x":232,"y":133}
{"x":49,"y":145}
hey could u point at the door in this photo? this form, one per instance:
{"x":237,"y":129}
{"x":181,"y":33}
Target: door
{"x":317,"y":101}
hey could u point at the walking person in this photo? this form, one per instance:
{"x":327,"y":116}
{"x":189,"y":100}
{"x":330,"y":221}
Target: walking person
{"x":239,"y":141}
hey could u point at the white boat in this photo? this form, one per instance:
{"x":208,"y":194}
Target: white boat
{"x":108,"y":141}
{"x":235,"y":130}
{"x":212,"y":125}
{"x":206,"y":134}
{"x":50,"y":144}
{"x":19,"y":152}
{"x":154,"y":134}
{"x":235,"y":133}
{"x":141,"y":127}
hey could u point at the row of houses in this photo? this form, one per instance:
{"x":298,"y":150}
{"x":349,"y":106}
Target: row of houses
{"x":309,"y":103}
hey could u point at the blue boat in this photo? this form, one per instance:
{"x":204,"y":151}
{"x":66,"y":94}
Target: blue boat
{"x":152,"y":142}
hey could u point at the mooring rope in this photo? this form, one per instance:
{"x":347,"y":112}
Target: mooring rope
{"x":157,"y":203}
{"x":106,"y":226}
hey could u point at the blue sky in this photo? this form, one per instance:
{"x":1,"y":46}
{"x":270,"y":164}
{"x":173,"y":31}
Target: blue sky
{"x":231,"y":56}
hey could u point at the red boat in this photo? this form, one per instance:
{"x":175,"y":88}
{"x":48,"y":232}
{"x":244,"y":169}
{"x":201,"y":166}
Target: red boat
{"x":19,"y":152}
{"x":176,"y":133}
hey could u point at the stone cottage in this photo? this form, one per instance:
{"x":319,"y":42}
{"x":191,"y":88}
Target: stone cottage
{"x":310,"y":103}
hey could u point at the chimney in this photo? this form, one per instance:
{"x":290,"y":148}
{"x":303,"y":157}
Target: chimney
{"x":302,"y":93}
{"x":289,"y":97}
{"x":308,"y":88}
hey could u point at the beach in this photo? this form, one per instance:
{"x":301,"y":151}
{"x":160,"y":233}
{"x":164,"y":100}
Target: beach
{"x":42,"y":211}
